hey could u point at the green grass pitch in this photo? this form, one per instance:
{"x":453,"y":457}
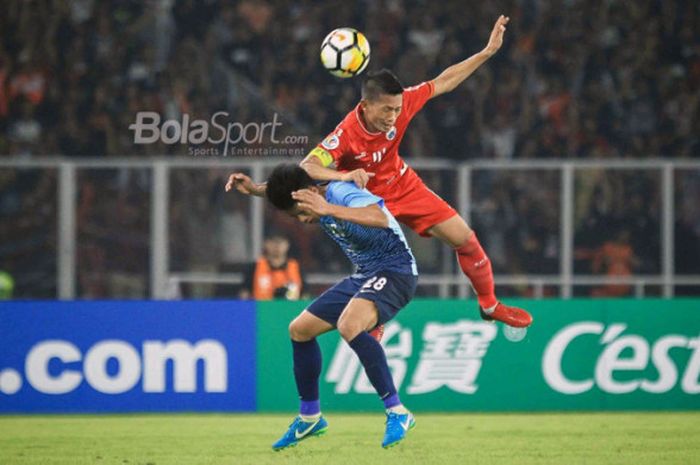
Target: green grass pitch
{"x":483,"y":439}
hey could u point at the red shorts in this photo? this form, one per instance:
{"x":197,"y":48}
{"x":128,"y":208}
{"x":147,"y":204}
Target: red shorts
{"x":416,"y":206}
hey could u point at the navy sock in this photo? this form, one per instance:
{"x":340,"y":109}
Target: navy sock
{"x":307,"y":370}
{"x":372,"y":357}
{"x":392,"y":401}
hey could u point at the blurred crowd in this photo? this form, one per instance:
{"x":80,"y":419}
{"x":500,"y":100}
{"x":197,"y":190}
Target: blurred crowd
{"x":574,"y":79}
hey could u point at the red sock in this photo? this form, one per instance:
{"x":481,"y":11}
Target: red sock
{"x":477,"y":266}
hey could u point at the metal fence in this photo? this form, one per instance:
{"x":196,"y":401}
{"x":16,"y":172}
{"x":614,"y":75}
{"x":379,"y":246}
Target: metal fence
{"x":163,"y":228}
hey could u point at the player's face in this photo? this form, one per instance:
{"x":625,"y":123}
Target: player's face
{"x":303,"y":215}
{"x":381,"y":113}
{"x":276,"y":248}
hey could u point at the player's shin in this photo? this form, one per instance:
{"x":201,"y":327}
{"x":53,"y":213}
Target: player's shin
{"x":398,"y":419}
{"x":373,"y":359}
{"x":476,"y":266}
{"x":307,"y":370}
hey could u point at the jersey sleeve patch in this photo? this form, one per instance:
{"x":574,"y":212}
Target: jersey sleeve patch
{"x":323,"y":155}
{"x":331,"y":142}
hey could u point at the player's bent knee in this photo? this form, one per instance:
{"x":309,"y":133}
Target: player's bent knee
{"x":349,"y":329}
{"x":298,"y":332}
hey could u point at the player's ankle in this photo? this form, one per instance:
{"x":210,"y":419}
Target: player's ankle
{"x":310,"y":418}
{"x":490,"y":309}
{"x":399,"y":409}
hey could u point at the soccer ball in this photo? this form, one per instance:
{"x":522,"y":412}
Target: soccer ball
{"x":345,"y":52}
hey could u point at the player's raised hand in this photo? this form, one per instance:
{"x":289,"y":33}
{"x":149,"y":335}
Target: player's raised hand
{"x":312,"y":202}
{"x":242,"y":183}
{"x":496,"y":39}
{"x":359,"y":176}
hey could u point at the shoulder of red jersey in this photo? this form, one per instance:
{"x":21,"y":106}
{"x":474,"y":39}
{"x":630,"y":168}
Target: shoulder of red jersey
{"x":336,"y":144}
{"x":414,"y":97}
{"x":333,"y":146}
{"x":418,"y":87}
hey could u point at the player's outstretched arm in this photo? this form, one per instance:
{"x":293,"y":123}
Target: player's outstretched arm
{"x":455,"y":74}
{"x":245,"y":185}
{"x":314,"y":167}
{"x":370,"y":215}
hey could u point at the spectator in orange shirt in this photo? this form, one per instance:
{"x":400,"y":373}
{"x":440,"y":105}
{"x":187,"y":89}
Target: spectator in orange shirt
{"x":615,"y":258}
{"x":274,"y":275}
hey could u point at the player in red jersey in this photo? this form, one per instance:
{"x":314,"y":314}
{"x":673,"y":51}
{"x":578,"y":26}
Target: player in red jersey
{"x":364,"y":148}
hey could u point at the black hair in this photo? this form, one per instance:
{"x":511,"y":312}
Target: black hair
{"x":380,"y":83}
{"x":285,"y":179}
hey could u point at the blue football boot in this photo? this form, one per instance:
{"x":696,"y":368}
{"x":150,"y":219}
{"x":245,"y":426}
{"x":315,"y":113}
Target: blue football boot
{"x":397,"y":425}
{"x":300,"y":430}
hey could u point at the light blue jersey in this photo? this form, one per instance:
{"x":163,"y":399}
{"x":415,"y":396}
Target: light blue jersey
{"x":369,"y":249}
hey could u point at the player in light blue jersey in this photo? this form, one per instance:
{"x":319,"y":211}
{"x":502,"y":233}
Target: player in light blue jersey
{"x":384,"y":282}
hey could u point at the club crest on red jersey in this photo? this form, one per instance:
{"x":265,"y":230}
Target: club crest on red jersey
{"x":391,"y":133}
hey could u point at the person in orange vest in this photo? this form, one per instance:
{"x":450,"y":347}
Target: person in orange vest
{"x":274,"y":275}
{"x":615,"y":259}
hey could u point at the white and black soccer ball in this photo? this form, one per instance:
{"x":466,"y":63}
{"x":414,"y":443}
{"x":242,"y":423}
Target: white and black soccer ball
{"x":345,"y":52}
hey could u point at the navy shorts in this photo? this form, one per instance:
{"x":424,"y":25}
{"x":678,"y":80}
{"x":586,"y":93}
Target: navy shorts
{"x":390,"y":292}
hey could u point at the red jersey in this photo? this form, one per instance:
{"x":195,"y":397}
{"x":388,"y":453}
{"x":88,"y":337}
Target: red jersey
{"x":351,"y":146}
